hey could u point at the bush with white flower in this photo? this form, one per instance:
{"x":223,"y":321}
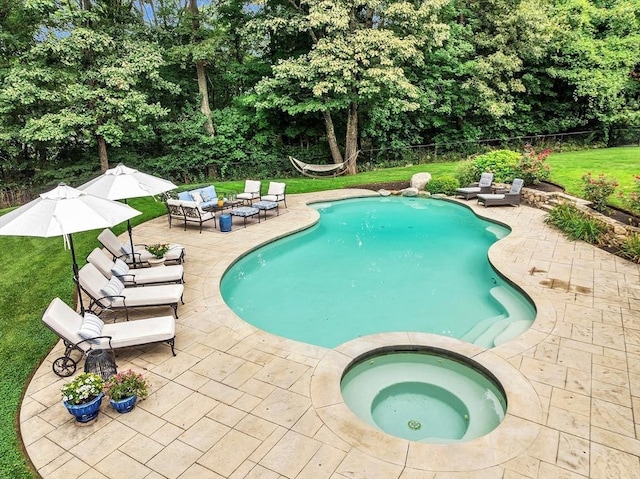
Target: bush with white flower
{"x":82,"y":389}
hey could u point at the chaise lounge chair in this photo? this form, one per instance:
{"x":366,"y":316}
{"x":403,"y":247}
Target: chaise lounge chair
{"x":123,"y":250}
{"x":72,"y":329}
{"x":482,"y":186}
{"x":504,"y":197}
{"x":110,"y":294}
{"x":135,"y":277}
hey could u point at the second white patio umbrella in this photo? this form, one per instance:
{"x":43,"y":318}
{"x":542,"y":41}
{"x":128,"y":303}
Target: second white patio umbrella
{"x":62,"y":212}
{"x":122,"y":183}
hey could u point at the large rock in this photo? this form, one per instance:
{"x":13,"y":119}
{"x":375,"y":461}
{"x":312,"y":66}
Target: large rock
{"x":420,"y":180}
{"x":410,"y":192}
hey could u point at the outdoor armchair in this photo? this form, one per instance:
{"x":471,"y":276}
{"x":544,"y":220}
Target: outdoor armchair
{"x":276,"y":193}
{"x":251,"y":191}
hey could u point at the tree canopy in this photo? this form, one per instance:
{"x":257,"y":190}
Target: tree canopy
{"x":194,"y":89}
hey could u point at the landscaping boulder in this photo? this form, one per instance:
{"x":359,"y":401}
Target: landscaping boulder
{"x":420,"y":180}
{"x":410,"y":192}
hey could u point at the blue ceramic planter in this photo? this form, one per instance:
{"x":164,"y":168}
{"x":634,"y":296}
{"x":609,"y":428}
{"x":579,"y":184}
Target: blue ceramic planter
{"x":124,"y":405}
{"x":85,"y":412}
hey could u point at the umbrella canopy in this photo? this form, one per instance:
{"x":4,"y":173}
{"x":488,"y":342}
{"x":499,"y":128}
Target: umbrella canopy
{"x":61,"y":212}
{"x":122,"y":183}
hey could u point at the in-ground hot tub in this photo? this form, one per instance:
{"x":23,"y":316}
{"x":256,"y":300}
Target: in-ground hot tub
{"x":424,"y":394}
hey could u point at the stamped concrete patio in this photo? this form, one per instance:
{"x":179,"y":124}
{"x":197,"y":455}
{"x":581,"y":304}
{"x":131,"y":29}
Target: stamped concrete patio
{"x":237,"y":402}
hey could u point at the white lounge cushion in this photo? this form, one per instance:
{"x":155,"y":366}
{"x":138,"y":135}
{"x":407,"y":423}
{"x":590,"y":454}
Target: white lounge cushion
{"x":161,"y":274}
{"x":91,"y":327}
{"x":140,"y":331}
{"x":150,"y":295}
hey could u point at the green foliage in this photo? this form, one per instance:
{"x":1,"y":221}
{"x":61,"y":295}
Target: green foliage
{"x":502,"y":163}
{"x":532,"y":167}
{"x":576,"y":224}
{"x":632,"y":200}
{"x":82,"y":388}
{"x":445,"y":184}
{"x":598,"y":190}
{"x":467,"y":172}
{"x":630,"y":248}
{"x":126,"y":384}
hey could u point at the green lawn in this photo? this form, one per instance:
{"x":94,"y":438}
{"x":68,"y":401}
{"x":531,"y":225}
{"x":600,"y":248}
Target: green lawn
{"x":34,"y":270}
{"x":619,"y":163}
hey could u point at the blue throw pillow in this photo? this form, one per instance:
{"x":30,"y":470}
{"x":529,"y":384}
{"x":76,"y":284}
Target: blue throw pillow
{"x":208,"y":193}
{"x":185,"y":196}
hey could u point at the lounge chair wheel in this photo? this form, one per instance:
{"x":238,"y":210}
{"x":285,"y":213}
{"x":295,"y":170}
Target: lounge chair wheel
{"x":64,"y":366}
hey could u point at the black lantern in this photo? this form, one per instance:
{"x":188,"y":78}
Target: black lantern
{"x":100,"y":362}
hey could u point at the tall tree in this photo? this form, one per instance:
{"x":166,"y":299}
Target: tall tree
{"x":358,"y":49}
{"x":86,"y":77}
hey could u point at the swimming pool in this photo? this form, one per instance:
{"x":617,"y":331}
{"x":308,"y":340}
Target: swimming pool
{"x":374,"y":265}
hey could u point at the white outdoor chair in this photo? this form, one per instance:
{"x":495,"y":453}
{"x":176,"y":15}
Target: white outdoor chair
{"x":276,"y":193}
{"x":251,"y":191}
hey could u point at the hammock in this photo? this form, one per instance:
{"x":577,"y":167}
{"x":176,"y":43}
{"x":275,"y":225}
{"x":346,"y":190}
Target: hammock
{"x":322,"y":171}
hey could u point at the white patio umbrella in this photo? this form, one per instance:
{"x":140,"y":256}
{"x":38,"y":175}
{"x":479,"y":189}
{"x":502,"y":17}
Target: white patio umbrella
{"x":62,"y":212}
{"x":122,"y":183}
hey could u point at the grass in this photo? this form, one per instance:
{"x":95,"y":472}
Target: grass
{"x":35,"y":270}
{"x":619,"y":163}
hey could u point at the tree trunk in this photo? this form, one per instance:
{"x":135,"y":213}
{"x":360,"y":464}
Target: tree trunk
{"x":204,"y":92}
{"x":202,"y":76}
{"x":351,"y":146}
{"x":331,"y":137}
{"x":102,"y":153}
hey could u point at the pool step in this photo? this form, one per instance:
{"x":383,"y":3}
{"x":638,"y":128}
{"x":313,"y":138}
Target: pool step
{"x":498,"y":330}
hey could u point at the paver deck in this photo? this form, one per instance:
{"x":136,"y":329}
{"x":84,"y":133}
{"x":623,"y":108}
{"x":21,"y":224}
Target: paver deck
{"x":237,"y":402}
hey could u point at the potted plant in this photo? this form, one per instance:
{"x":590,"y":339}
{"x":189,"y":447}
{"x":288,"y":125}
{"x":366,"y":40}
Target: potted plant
{"x":158,"y":250}
{"x":220,"y":200}
{"x":125,"y":388}
{"x":83,"y":396}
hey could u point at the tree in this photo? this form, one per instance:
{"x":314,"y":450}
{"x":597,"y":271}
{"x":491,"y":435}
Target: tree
{"x":86,"y":78}
{"x":357,"y":57}
{"x":597,"y":57}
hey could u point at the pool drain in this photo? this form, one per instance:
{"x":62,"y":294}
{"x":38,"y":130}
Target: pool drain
{"x":413,"y":424}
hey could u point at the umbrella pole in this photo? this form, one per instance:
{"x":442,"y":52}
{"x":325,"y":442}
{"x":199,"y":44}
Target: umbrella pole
{"x":76,"y":274}
{"x":133,"y":248}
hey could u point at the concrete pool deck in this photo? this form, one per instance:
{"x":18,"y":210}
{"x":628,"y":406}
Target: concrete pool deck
{"x":237,"y":402}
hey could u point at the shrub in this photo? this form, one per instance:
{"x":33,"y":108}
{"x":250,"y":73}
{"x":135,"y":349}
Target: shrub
{"x":577,"y":225}
{"x":632,"y":200}
{"x":502,"y":163}
{"x":444,"y":184}
{"x":598,"y":190}
{"x":467,"y":172}
{"x":630,"y":248}
{"x":532,"y":167}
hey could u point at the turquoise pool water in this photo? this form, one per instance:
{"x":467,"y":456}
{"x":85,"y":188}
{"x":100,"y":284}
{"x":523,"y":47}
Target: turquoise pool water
{"x":374,"y":265}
